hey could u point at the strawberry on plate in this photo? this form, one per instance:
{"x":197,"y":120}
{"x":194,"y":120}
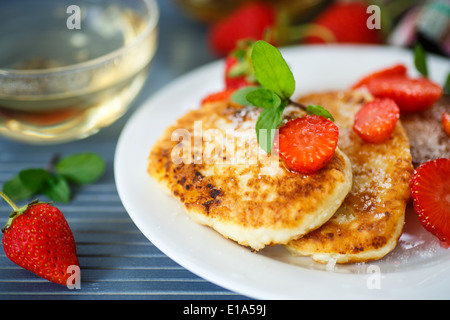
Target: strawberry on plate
{"x":446,"y":122}
{"x":348,"y":23}
{"x":398,"y":70}
{"x":218,"y":96}
{"x":38,"y":238}
{"x":411,"y":95}
{"x":307,"y":144}
{"x":376,"y":120}
{"x":238,"y":66}
{"x":251,"y":21}
{"x":430,"y":190}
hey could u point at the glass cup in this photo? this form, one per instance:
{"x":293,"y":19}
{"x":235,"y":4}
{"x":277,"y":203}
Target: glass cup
{"x":66,"y":71}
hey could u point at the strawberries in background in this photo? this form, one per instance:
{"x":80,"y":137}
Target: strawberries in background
{"x":348,"y":22}
{"x":250,"y":21}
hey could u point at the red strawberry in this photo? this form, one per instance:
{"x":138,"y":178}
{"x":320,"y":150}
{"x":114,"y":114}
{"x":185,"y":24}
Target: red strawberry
{"x":430,"y":190}
{"x":234,"y":80}
{"x":348,"y":23}
{"x":398,"y":70}
{"x":411,"y":95}
{"x":251,"y":21}
{"x":376,"y":120}
{"x":37,"y":237}
{"x":218,"y":96}
{"x":446,"y":122}
{"x":239,"y":67}
{"x":308,"y":143}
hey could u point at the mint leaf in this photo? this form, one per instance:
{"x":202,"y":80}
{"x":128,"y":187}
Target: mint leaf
{"x":16,"y":190}
{"x":271,"y":70}
{"x":34,"y":179}
{"x":57,"y":189}
{"x":447,"y":85}
{"x":267,"y":123}
{"x":420,"y":60}
{"x":264,"y":98}
{"x":81,"y":168}
{"x":319,"y":111}
{"x":240,"y":95}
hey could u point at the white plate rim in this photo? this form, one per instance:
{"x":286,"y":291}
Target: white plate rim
{"x":244,"y":272}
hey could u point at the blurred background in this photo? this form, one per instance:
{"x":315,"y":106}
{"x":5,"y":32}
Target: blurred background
{"x":288,"y":22}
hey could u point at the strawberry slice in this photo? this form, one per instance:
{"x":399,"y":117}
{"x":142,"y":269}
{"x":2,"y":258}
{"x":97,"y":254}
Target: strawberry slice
{"x":411,"y":95}
{"x":376,"y":120}
{"x":430,"y":190}
{"x":218,"y":96}
{"x":307,"y":144}
{"x":398,"y":70}
{"x":446,"y":122}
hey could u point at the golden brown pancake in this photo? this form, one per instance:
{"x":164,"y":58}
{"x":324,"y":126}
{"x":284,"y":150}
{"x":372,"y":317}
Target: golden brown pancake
{"x":370,"y":221}
{"x":234,"y":187}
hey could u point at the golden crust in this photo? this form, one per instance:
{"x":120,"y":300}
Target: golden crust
{"x":370,"y":221}
{"x":246,"y":198}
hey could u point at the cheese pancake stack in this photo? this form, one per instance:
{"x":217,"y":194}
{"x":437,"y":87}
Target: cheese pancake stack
{"x":211,"y":162}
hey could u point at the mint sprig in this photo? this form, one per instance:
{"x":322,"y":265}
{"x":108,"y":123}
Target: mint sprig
{"x":57,"y":179}
{"x":277,"y":85}
{"x":420,"y":60}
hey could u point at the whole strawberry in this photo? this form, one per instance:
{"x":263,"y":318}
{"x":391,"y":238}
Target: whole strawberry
{"x":250,"y":21}
{"x":347,"y":21}
{"x":38,"y":238}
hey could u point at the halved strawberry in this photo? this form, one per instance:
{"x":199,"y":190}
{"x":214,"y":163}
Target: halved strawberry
{"x":307,"y":144}
{"x":376,"y":120}
{"x":430,"y":190}
{"x":411,"y":95}
{"x":398,"y":70}
{"x":446,"y":122}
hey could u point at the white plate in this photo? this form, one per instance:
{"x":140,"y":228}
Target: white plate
{"x":417,"y":269}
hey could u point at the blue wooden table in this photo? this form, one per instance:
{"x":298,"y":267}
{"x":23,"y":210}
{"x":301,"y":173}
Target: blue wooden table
{"x":117,"y":261}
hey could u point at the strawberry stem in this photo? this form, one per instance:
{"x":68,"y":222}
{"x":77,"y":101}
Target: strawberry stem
{"x":9,"y":201}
